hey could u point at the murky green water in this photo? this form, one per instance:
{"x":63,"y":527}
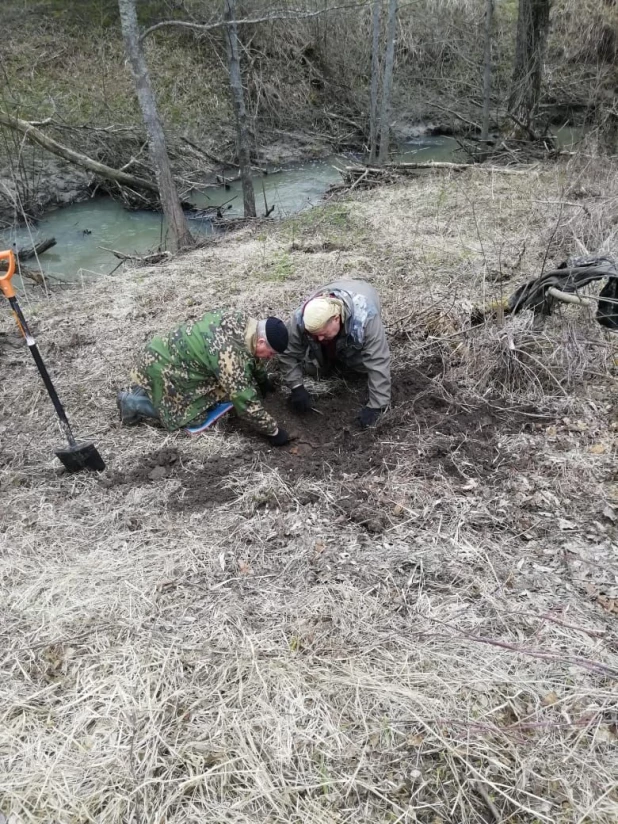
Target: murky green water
{"x":85,"y":232}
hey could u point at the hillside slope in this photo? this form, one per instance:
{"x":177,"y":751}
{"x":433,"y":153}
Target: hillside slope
{"x":416,"y":623}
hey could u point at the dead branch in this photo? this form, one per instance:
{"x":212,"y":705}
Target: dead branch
{"x":143,"y":260}
{"x":457,"y":167}
{"x":518,"y":122}
{"x":457,"y":115}
{"x":31,"y":274}
{"x":219,"y":24}
{"x":85,"y":162}
{"x":486,"y":798}
{"x":219,"y":160}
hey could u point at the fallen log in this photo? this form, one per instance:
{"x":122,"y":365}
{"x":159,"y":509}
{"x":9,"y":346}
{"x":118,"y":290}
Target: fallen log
{"x":37,"y":136}
{"x":456,"y":167}
{"x":36,"y":250}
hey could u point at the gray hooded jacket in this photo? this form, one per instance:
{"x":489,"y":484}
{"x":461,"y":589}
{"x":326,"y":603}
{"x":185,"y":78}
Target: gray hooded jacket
{"x":362,"y":345}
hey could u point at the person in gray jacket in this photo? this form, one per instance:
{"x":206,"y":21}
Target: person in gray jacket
{"x":339,"y":325}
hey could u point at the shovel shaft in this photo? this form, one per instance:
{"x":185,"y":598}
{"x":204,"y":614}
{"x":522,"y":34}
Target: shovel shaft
{"x":76,"y":457}
{"x":34,"y":350}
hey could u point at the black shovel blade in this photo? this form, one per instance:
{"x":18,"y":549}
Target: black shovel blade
{"x":81,"y":456}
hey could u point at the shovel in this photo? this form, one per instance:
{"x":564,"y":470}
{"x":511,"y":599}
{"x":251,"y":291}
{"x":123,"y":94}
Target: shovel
{"x":75,"y":456}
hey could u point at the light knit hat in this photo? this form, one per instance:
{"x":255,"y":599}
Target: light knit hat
{"x":319,"y":311}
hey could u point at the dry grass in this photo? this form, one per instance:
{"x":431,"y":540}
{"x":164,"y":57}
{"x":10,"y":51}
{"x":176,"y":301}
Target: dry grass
{"x":268,"y":658}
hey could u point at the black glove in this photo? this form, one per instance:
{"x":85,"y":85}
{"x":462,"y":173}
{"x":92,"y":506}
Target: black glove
{"x":300,"y":400}
{"x":265,"y":385}
{"x":280,"y":439}
{"x":368,"y":416}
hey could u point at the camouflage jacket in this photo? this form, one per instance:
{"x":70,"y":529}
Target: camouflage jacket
{"x":202,"y":363}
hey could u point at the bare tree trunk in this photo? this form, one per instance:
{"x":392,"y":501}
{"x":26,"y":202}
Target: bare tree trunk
{"x":180,"y":236}
{"x":375,"y":81}
{"x":238,"y":96}
{"x":532,"y":27}
{"x":489,"y":16}
{"x":385,"y":112}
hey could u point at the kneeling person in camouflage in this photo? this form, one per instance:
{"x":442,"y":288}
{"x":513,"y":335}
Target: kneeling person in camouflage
{"x":180,"y":377}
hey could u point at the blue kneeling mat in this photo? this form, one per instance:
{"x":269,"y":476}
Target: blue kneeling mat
{"x":213,"y":415}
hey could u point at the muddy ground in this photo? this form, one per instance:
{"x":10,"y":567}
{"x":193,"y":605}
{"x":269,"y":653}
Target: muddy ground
{"x":432,"y":427}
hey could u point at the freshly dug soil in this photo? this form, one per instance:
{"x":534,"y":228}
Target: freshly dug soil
{"x":430,"y":426}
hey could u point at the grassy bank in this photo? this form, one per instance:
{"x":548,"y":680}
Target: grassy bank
{"x":306,"y":78}
{"x":306,"y":81}
{"x":412,"y":624}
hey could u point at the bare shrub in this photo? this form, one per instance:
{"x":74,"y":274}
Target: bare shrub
{"x":521,"y":361}
{"x":587,"y":219}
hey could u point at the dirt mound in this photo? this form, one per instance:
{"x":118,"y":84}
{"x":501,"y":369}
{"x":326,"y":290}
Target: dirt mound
{"x":431,"y":426}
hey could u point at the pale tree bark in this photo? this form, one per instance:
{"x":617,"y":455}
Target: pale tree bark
{"x":387,"y":84}
{"x":180,"y":237}
{"x":375,"y":81}
{"x":238,"y":97}
{"x":532,"y":28}
{"x":489,"y":16}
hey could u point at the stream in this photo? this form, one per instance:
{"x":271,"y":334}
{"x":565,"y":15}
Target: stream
{"x":87,"y":232}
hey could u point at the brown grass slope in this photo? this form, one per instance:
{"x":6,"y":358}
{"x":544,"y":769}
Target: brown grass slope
{"x":412,"y":624}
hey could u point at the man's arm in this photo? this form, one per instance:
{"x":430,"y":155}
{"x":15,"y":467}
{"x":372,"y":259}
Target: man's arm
{"x":291,"y":360}
{"x":260,"y":375}
{"x":242,"y":391}
{"x":376,"y":358}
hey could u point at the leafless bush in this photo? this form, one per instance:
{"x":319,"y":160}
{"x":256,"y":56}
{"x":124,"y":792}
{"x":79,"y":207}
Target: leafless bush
{"x":19,"y":192}
{"x":587,"y":222}
{"x":529,"y":358}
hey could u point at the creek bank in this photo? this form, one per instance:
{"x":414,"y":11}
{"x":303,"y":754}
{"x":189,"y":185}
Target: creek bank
{"x":47,"y":182}
{"x":44,"y":182}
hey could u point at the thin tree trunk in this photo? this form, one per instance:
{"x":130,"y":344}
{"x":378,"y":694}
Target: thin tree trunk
{"x":385,"y":113}
{"x":180,"y":236}
{"x":238,"y":96}
{"x":489,"y":15}
{"x":375,"y":81}
{"x":532,"y":28}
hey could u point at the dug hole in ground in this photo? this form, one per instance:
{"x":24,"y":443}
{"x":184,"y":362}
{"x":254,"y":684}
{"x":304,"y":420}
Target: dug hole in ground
{"x":416,"y":623}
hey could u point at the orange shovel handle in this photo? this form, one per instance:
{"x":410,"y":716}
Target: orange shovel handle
{"x":5,"y":279}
